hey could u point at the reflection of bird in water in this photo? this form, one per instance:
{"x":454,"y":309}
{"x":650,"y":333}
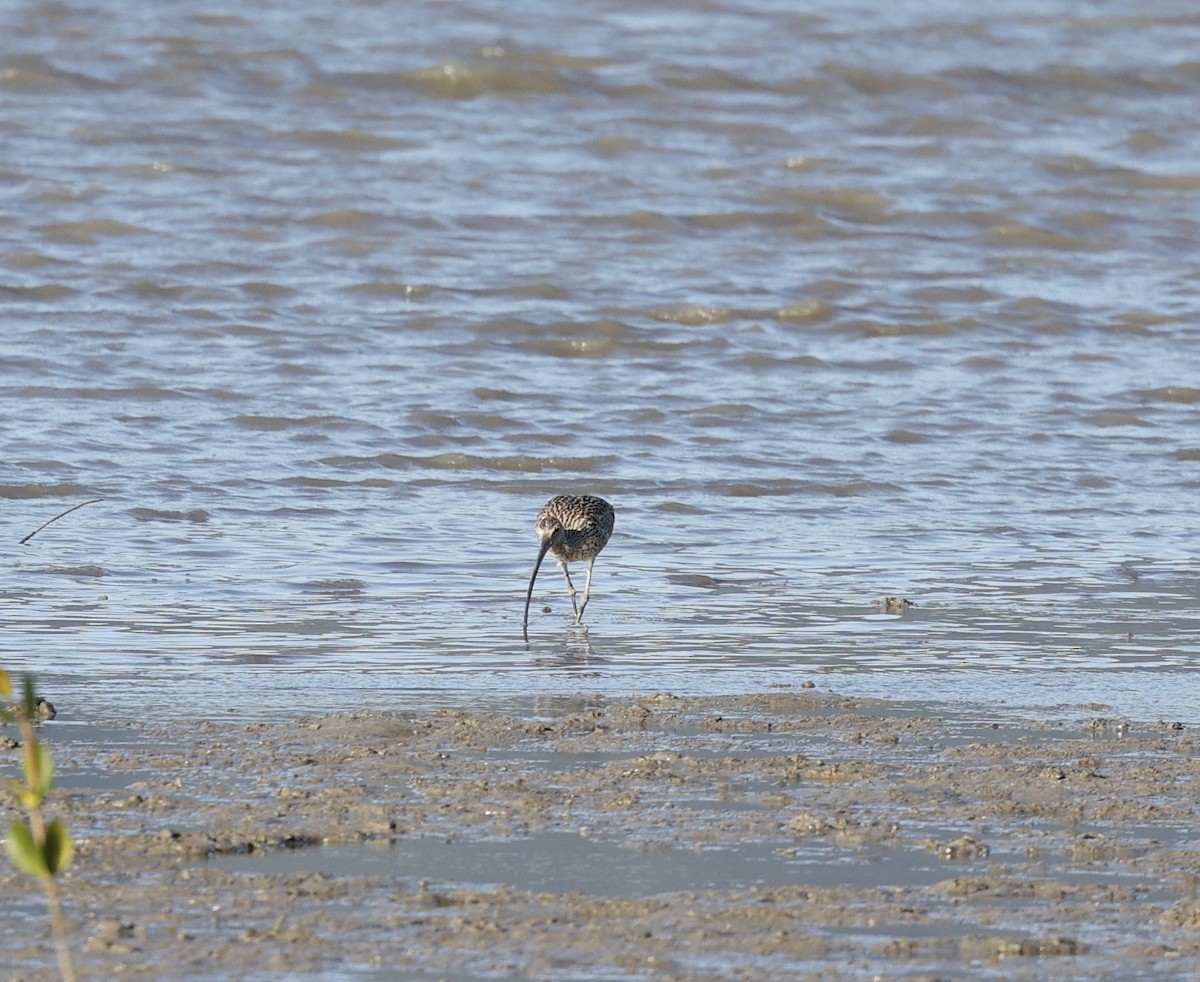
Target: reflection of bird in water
{"x":571,"y":527}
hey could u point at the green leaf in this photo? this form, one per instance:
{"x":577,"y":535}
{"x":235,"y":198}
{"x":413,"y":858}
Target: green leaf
{"x":45,"y":774}
{"x":23,"y":851}
{"x":5,"y":684}
{"x":58,"y":848}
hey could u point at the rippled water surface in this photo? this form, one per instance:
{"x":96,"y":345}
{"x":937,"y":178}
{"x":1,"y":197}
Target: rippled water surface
{"x":832,"y":302}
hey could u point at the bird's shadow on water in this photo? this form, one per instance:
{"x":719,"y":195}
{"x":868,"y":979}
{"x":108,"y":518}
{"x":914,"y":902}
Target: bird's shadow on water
{"x":574,"y":650}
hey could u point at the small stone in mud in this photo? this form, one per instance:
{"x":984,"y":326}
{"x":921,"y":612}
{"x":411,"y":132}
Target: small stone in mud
{"x":1185,"y":914}
{"x":1101,"y":725}
{"x":1091,"y":848}
{"x":111,"y":928}
{"x":964,"y":847}
{"x":808,"y":825}
{"x":43,"y":710}
{"x":292,"y":794}
{"x":113,"y":936}
{"x":1019,"y":947}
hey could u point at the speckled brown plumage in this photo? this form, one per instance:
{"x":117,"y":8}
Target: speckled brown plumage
{"x":572,"y":527}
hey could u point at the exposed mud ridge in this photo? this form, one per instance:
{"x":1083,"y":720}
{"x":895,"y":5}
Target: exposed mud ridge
{"x":783,"y":835}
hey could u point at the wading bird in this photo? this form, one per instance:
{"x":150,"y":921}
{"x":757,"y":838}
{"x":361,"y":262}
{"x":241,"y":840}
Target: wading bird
{"x":571,"y":527}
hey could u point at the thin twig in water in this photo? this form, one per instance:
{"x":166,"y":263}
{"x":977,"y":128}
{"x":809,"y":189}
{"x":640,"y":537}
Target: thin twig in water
{"x":57,"y":517}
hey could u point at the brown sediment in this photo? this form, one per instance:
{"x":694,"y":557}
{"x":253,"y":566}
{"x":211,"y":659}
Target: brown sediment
{"x":788,"y":834}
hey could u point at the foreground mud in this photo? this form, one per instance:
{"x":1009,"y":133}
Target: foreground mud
{"x":788,"y":835}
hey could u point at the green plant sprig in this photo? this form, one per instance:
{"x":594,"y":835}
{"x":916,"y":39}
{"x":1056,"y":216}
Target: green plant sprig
{"x":38,"y":848}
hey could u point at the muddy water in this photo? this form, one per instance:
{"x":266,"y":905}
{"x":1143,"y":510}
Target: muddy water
{"x":834,"y":304}
{"x":759,"y":837}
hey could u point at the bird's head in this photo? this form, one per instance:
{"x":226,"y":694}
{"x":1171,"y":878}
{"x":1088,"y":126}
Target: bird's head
{"x":549,"y":531}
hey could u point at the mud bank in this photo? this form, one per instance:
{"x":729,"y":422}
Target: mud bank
{"x":784,"y":835}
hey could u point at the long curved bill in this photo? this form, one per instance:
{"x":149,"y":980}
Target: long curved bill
{"x":529,"y":596}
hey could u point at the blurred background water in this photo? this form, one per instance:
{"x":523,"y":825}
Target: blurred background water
{"x":833,"y":302}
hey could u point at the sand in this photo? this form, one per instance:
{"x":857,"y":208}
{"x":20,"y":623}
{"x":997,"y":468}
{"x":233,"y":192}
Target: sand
{"x":791,"y":834}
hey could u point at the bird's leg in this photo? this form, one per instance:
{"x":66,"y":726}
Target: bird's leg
{"x":587,"y":590}
{"x":571,"y":589}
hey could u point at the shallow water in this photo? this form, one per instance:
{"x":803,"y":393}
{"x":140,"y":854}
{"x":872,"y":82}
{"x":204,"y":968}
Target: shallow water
{"x":564,"y":862}
{"x":325,"y":301}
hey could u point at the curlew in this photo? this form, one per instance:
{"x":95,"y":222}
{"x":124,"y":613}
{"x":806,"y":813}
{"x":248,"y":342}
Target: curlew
{"x":571,"y":527}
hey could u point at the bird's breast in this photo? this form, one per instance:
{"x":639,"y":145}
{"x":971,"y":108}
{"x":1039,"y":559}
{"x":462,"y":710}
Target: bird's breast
{"x":577,"y":548}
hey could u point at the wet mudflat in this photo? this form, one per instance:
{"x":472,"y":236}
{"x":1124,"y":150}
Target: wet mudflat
{"x":788,"y":834}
